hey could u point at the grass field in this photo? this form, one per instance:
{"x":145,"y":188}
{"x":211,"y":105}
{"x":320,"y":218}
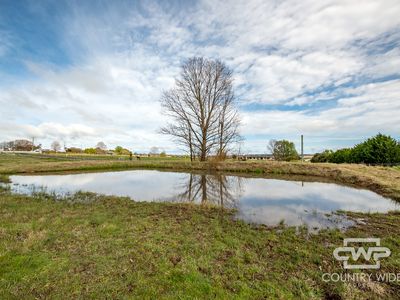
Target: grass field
{"x":93,"y":246}
{"x":115,"y":248}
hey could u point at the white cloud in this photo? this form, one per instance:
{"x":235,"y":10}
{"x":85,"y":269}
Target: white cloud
{"x":56,"y":130}
{"x":282,"y":52}
{"x":112,"y":102}
{"x":373,"y":108}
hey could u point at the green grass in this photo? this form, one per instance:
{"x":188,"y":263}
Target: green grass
{"x":4,"y":178}
{"x":92,"y":246}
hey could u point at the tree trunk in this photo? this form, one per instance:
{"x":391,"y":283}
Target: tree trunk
{"x":190,"y":145}
{"x":204,"y":189}
{"x":203,"y":152}
{"x":190,"y":186}
{"x":221,"y":145}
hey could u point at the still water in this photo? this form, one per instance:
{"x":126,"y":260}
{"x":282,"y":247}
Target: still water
{"x":257,"y":200}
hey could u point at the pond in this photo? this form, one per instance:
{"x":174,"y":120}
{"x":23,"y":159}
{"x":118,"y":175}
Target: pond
{"x":257,"y":200}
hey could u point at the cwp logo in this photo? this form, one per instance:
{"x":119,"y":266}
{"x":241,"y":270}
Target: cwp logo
{"x":375,"y":252}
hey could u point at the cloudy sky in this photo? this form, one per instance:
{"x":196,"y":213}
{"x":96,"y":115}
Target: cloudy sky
{"x":89,"y":71}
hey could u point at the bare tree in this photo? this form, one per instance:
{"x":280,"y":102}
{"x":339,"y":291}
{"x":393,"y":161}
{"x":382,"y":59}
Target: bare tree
{"x":217,"y":189}
{"x":182,"y":135}
{"x":56,"y":146}
{"x":101,"y":146}
{"x":202,"y":107}
{"x":23,"y":145}
{"x":154,"y":150}
{"x":271,"y":146}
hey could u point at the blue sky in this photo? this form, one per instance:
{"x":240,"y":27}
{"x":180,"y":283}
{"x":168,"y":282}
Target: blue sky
{"x":85,"y":71}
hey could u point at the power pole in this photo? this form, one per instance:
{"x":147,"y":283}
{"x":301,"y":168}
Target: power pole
{"x":302,"y":149}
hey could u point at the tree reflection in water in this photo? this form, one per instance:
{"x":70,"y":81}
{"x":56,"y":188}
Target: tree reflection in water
{"x":216,"y":189}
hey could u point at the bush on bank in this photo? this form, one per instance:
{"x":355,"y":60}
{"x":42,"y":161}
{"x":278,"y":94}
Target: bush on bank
{"x":380,"y":149}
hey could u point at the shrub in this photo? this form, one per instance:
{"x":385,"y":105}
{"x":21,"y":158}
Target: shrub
{"x":100,"y":151}
{"x":118,"y":150}
{"x":74,"y":150}
{"x":341,"y":156}
{"x":380,"y":149}
{"x":322,"y":157}
{"x":121,"y":151}
{"x":90,"y":151}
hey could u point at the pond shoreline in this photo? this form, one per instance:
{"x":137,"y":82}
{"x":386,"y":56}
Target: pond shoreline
{"x":382,"y":180}
{"x":292,"y":199}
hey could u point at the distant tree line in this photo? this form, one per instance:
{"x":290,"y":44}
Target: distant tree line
{"x":100,"y":148}
{"x":19,"y":145}
{"x":380,"y":149}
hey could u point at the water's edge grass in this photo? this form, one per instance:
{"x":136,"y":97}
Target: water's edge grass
{"x":4,"y":178}
{"x":95,"y":246}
